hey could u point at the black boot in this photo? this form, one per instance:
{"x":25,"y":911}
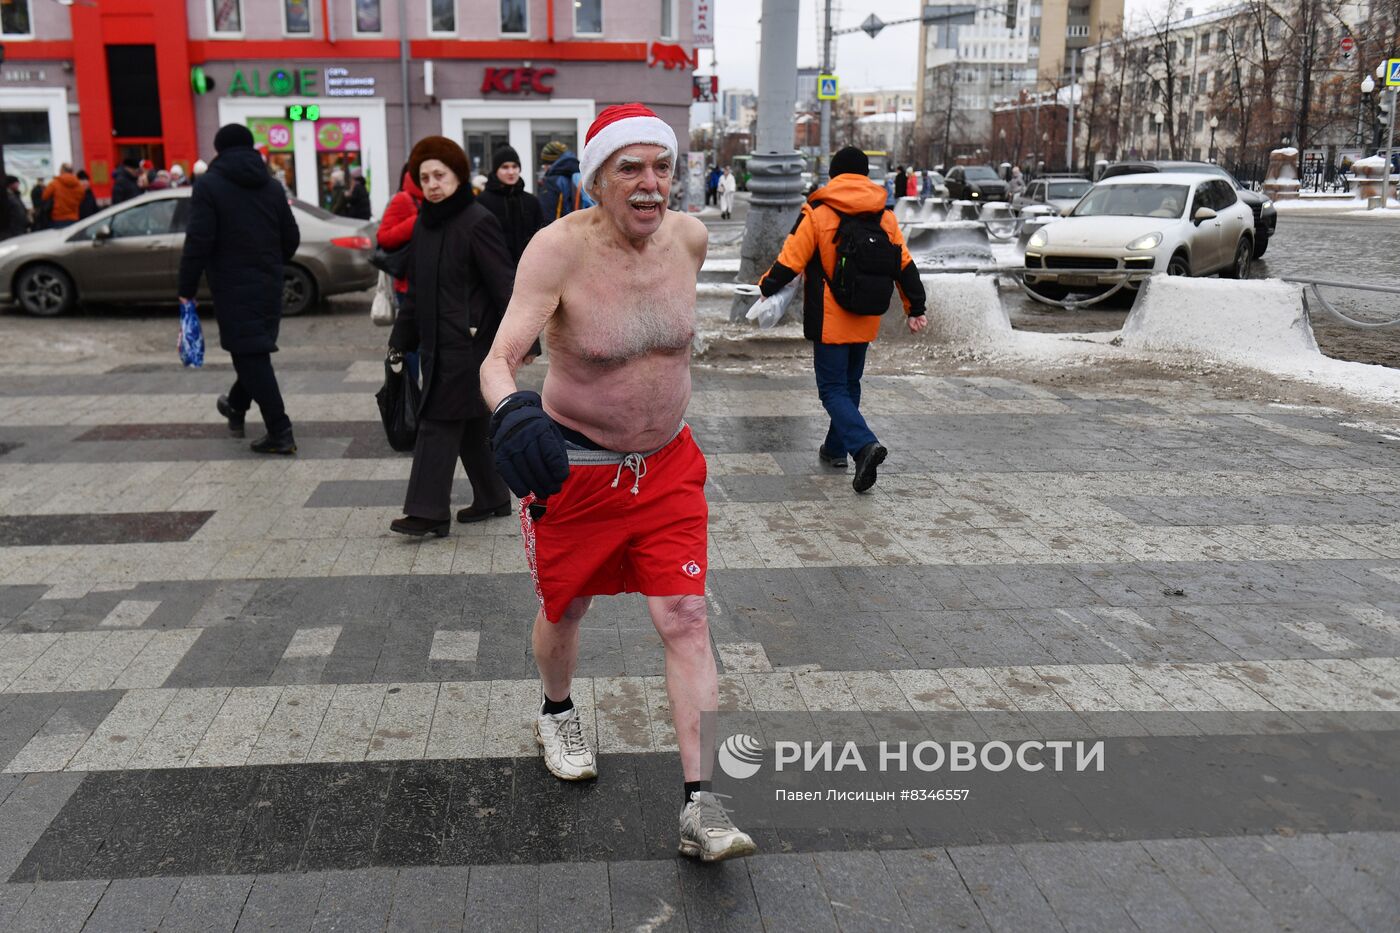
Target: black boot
{"x":234,"y":416}
{"x":473,"y":514}
{"x":870,"y":457}
{"x":418,"y":527}
{"x":281,"y":443}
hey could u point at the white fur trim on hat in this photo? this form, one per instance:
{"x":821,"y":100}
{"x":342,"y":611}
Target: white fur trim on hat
{"x":631,"y":131}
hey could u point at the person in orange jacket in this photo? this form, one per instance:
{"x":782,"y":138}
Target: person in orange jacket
{"x":841,"y":330}
{"x":66,"y":192}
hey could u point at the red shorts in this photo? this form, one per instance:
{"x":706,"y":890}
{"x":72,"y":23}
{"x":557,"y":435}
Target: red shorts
{"x":621,"y":524}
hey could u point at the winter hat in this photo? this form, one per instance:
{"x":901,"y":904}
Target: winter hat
{"x":231,"y":135}
{"x":618,"y":127}
{"x":445,"y":151}
{"x":552,"y":151}
{"x":849,"y":161}
{"x":199,"y":167}
{"x":132,"y":164}
{"x":503,"y":155}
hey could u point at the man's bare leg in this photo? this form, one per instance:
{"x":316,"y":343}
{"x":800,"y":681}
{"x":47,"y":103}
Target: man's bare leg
{"x":692,"y":682}
{"x":558,"y":728}
{"x":556,"y":648}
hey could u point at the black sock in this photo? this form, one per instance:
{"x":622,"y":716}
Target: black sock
{"x":554,"y":707}
{"x":693,"y":786}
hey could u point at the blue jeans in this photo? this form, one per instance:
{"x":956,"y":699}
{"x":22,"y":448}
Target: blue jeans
{"x":839,"y":367}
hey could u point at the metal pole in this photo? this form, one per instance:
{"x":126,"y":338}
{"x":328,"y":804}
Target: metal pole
{"x":775,"y":188}
{"x":824,"y":156}
{"x":714,"y":103}
{"x":403,"y":78}
{"x":1069,"y":139}
{"x":1389,"y":153}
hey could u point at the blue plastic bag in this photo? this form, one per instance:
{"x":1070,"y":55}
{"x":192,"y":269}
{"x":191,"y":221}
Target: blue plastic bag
{"x":191,"y":344}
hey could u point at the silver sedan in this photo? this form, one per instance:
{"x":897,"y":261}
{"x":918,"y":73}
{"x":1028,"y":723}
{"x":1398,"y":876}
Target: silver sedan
{"x":130,"y":253}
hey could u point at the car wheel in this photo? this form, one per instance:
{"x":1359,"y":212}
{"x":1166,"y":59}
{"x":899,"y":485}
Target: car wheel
{"x":1179,"y":265}
{"x":45,"y":290}
{"x":298,"y":291}
{"x":1244,"y":254}
{"x":1260,"y":245}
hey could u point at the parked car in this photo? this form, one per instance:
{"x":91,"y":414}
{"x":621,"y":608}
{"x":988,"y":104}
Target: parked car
{"x":975,"y":183}
{"x":130,"y":253}
{"x":940,"y":184}
{"x":1059,"y":193}
{"x":1265,"y":215}
{"x":1186,"y":225}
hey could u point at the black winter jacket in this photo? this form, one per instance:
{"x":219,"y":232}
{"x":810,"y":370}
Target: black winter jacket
{"x":13,"y":214}
{"x":241,"y":231}
{"x":357,"y":201}
{"x":460,"y":279}
{"x":124,"y":187}
{"x":517,"y":210}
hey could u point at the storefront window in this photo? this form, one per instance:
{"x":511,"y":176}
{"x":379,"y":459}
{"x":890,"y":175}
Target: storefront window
{"x":588,"y":17}
{"x":442,"y":15}
{"x":367,"y":16}
{"x":515,"y":17}
{"x":14,"y":17}
{"x":228,"y":16}
{"x":298,"y":14}
{"x":668,"y":19}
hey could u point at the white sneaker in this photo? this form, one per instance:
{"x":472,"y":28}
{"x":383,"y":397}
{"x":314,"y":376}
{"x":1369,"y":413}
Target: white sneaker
{"x":707,"y":832}
{"x":566,"y":752}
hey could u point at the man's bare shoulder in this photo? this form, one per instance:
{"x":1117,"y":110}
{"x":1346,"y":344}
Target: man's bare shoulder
{"x":691,"y":232}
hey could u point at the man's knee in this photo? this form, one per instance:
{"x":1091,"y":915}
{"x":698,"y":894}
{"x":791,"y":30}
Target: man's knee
{"x":575,"y":611}
{"x":681,"y":618}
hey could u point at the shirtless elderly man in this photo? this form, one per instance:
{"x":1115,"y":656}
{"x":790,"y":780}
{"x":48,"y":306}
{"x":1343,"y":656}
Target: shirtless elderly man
{"x":611,"y":482}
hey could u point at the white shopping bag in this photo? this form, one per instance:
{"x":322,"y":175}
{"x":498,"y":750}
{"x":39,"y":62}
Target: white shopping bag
{"x":383,"y":309}
{"x":769,"y":311}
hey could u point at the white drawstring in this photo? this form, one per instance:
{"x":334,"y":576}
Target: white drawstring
{"x":637,"y":464}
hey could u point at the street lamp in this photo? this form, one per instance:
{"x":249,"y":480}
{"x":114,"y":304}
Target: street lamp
{"x":1001,"y":145}
{"x":1214,"y":123}
{"x":1044,"y":151}
{"x":1367,"y":86}
{"x":1158,"y":118}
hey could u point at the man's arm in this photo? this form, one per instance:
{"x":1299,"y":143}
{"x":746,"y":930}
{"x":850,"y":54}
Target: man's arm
{"x":200,"y":231}
{"x":539,"y":285}
{"x":911,"y":287}
{"x":796,"y":253}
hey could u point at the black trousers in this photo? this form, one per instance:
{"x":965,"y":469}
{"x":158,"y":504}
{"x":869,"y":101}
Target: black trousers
{"x":440,"y":444}
{"x":257,"y":382}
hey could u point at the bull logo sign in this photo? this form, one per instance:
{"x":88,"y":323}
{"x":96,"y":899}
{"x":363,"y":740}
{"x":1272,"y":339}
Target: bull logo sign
{"x":672,"y":56}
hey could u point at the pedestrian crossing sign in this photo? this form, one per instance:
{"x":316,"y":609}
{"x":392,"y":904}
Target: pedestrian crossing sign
{"x":1392,"y":73}
{"x":826,"y":87}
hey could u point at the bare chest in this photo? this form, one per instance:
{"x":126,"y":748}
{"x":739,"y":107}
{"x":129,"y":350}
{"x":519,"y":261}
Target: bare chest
{"x":614,"y":314}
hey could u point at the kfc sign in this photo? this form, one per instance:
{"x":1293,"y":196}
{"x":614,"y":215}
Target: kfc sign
{"x":517,"y":81}
{"x":702,"y":24}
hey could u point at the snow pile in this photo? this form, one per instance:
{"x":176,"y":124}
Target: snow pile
{"x":1251,"y":323}
{"x":965,"y":312}
{"x":959,"y":243}
{"x":1255,"y":324}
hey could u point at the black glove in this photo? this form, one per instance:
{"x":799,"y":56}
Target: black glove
{"x":530,"y":452}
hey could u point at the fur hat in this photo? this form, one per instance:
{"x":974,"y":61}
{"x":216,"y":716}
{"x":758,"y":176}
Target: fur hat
{"x":231,"y":136}
{"x":618,"y":127}
{"x":849,"y":161}
{"x":445,"y":151}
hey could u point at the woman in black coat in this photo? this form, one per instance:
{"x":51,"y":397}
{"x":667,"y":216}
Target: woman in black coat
{"x":505,"y":196}
{"x":459,"y":283}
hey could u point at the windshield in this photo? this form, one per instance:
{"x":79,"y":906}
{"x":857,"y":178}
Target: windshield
{"x":981,"y":173}
{"x":1068,"y":189}
{"x":1134,"y":201}
{"x":311,"y":209}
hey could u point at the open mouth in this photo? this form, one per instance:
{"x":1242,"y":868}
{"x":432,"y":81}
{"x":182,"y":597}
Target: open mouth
{"x":646,"y":210}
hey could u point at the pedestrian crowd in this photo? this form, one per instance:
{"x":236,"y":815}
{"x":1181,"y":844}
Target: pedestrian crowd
{"x":67,"y":197}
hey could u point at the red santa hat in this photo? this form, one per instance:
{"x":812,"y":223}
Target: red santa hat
{"x":618,"y":127}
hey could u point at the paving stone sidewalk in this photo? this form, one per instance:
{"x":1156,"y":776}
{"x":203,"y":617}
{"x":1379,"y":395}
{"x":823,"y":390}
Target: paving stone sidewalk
{"x":230,"y":699}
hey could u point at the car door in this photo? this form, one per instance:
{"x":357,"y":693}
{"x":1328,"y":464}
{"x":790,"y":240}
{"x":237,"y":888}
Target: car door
{"x":956,"y":189}
{"x":1205,"y":240}
{"x":1235,"y":216}
{"x":132,"y":254}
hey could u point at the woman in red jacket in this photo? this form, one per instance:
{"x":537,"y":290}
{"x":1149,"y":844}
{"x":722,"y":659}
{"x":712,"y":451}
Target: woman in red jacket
{"x":395,"y":232}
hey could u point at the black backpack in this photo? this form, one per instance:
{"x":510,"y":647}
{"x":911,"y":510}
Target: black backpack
{"x":867,"y":264}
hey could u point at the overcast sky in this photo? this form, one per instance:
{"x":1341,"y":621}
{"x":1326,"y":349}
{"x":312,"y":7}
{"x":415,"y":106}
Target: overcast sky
{"x":889,"y":60}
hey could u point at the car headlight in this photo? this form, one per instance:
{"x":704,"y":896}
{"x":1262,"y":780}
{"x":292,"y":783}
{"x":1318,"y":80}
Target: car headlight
{"x":974,"y":194}
{"x":7,"y":250}
{"x":1039,"y":239}
{"x":1268,"y":204}
{"x":1151,"y":241}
